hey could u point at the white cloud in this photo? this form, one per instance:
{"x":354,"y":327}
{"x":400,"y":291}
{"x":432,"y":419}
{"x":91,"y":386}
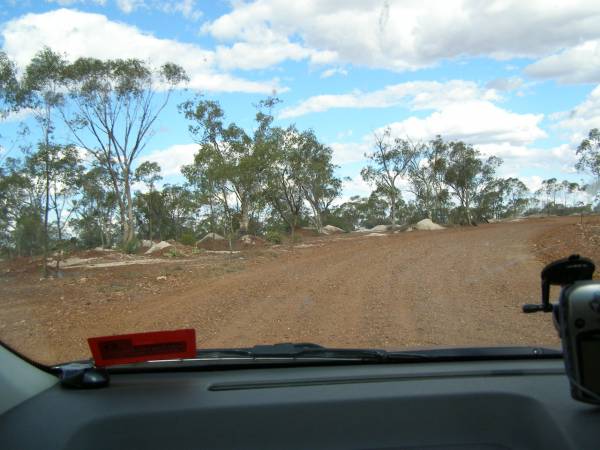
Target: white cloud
{"x":355,"y":186}
{"x":187,"y":8}
{"x":128,"y":6}
{"x":72,"y":2}
{"x":334,"y":71}
{"x":475,"y":122}
{"x":585,"y":116}
{"x":345,"y":153}
{"x":414,"y":34}
{"x":577,"y":64}
{"x":247,"y":56}
{"x":417,"y":94}
{"x":505,"y":84}
{"x":559,"y":159}
{"x":172,"y":158}
{"x":85,"y":34}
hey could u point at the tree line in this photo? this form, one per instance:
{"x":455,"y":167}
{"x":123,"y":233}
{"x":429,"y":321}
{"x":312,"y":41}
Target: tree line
{"x":71,"y":183}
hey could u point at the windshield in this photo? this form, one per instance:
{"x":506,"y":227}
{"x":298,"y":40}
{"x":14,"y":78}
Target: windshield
{"x":368,"y":175}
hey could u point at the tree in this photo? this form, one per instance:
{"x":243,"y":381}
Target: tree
{"x":241,"y":158}
{"x":390,"y":160}
{"x":515,"y":195}
{"x":59,"y":168}
{"x":149,"y":173}
{"x":467,"y":175}
{"x":9,"y":85}
{"x":96,"y":209}
{"x":283,"y":189}
{"x":426,"y":176}
{"x":115,"y":105}
{"x":589,"y":153}
{"x":550,"y":188}
{"x":316,"y":178}
{"x":41,"y":91}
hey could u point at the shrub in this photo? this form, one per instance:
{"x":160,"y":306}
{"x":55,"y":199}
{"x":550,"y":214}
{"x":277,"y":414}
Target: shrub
{"x":273,"y":236}
{"x":188,"y":239}
{"x":173,"y":253}
{"x":131,"y":246}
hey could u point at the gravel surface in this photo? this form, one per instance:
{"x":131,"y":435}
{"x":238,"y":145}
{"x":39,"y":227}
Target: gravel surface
{"x":456,"y":287}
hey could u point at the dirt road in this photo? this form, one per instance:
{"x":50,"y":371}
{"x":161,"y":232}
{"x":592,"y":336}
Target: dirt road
{"x":456,"y":287}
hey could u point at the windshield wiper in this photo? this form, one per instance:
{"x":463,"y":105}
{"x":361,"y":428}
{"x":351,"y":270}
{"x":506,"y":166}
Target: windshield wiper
{"x":304,"y":351}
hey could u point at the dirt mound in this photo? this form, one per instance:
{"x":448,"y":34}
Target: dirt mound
{"x":211,"y":237}
{"x":428,"y":225}
{"x":379,"y":228}
{"x":156,"y":247}
{"x":567,"y":239}
{"x":330,"y":229}
{"x":213,"y":244}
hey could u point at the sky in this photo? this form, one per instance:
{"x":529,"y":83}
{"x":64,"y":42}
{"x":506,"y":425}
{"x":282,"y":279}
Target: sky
{"x":517,"y":79}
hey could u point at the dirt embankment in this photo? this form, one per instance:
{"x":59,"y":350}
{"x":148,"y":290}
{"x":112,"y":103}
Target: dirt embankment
{"x":459,"y":286}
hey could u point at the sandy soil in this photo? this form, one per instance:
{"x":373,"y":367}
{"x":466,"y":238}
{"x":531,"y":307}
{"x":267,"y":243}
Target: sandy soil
{"x":456,"y":287}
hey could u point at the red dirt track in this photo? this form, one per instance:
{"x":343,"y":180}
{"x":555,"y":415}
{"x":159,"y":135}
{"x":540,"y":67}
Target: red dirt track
{"x":456,"y":287}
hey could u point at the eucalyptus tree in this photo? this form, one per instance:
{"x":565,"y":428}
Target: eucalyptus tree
{"x":467,"y":175}
{"x":238,"y":160}
{"x":41,"y":91}
{"x":113,"y":107}
{"x":389,"y":162}
{"x":316,"y":176}
{"x":149,"y":173}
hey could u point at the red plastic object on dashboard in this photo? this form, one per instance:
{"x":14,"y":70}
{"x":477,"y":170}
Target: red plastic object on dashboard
{"x":140,"y":347}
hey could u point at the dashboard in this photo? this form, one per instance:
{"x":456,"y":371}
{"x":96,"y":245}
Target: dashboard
{"x":509,"y":404}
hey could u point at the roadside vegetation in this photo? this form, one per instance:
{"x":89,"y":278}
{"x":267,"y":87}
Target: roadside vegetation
{"x":69,"y":183}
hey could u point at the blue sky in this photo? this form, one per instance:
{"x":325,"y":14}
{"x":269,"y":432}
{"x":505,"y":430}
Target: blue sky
{"x":515,"y":79}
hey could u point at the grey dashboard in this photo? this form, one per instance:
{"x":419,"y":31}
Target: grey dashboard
{"x":434,"y":405}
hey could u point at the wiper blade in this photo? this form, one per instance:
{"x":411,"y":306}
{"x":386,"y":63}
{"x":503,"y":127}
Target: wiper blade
{"x":309,"y":351}
{"x":474,"y":353}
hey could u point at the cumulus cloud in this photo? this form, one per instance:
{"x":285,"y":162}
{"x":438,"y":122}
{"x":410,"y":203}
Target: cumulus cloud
{"x":172,"y":158}
{"x":560,"y":158}
{"x":85,"y":34}
{"x":416,"y":94}
{"x":505,"y":84}
{"x":475,"y":122}
{"x":187,"y":8}
{"x":414,"y":34}
{"x":346,"y":153}
{"x":583,"y":117}
{"x":578,"y":64}
{"x":128,"y":6}
{"x":334,"y":71}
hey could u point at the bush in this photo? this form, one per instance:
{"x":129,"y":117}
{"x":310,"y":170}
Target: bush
{"x":131,"y":246}
{"x":188,"y":239}
{"x":273,"y":237}
{"x":173,"y":253}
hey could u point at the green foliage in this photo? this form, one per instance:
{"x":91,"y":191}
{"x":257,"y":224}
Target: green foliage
{"x":391,"y":159}
{"x":274,"y":237}
{"x":130,"y":247}
{"x":188,"y":238}
{"x":173,"y":253}
{"x":589,"y":153}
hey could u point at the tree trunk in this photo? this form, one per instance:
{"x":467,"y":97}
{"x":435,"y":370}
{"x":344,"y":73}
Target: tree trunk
{"x":393,"y":211}
{"x":244,"y":219}
{"x":46,"y":211}
{"x":130,"y":226}
{"x":59,"y":230}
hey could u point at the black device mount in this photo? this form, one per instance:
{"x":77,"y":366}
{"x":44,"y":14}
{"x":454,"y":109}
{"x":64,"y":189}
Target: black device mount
{"x":562,"y":272}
